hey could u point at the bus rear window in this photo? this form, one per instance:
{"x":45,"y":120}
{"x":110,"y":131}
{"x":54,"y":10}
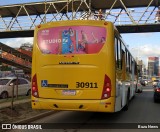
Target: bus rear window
{"x":71,"y":40}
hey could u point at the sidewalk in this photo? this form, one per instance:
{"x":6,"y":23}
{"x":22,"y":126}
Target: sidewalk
{"x":8,"y":104}
{"x":22,"y":113}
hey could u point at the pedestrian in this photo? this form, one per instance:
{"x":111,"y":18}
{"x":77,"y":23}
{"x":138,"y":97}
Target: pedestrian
{"x":158,"y":15}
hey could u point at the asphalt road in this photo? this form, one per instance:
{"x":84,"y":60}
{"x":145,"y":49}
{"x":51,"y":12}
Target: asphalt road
{"x":142,"y":109}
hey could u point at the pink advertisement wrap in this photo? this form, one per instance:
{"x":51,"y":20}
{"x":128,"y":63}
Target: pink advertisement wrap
{"x":72,"y":40}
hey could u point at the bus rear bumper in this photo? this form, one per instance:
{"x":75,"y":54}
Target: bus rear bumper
{"x":106,"y":105}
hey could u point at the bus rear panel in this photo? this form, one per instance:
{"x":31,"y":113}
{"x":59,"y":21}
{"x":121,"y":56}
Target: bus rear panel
{"x":73,"y":66}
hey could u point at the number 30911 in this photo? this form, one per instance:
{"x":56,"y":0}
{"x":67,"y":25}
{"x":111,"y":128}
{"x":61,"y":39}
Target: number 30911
{"x":86,"y":85}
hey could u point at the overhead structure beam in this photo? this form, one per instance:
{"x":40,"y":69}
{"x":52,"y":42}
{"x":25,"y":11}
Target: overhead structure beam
{"x":150,"y":14}
{"x":145,"y":10}
{"x":128,"y":13}
{"x":26,"y":16}
{"x":121,"y":28}
{"x":108,"y":12}
{"x":139,"y":28}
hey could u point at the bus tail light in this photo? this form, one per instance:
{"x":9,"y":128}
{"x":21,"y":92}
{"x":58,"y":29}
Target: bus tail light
{"x":158,"y":90}
{"x":34,"y":86}
{"x":106,"y":93}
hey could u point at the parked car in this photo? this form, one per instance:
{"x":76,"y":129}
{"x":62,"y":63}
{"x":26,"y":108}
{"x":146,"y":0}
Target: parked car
{"x":24,"y":86}
{"x":155,"y":82}
{"x":157,"y":92}
{"x":139,"y":87}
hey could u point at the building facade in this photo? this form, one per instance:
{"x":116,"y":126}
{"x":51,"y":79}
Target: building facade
{"x":153,"y":66}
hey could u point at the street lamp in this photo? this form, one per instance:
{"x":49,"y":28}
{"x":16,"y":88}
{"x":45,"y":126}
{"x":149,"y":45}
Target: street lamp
{"x":138,"y":50}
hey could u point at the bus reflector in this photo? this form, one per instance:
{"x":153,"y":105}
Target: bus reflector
{"x":105,"y":23}
{"x":39,"y":26}
{"x":34,"y":86}
{"x":106,"y":93}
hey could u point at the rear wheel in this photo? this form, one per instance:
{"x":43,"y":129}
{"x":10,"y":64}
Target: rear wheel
{"x":4,"y":95}
{"x":138,"y":91}
{"x":155,"y":100}
{"x":127,"y":103}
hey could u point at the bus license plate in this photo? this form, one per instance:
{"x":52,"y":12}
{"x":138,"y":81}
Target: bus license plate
{"x":68,"y":92}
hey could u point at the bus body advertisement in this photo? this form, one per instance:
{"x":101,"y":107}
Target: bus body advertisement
{"x":81,"y":65}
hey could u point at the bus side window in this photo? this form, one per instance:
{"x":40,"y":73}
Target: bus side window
{"x":123,"y":65}
{"x":127,"y":62}
{"x":118,"y":50}
{"x":130,"y":64}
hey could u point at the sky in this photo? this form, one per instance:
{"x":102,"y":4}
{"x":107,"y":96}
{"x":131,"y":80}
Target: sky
{"x":141,"y":45}
{"x":9,"y":2}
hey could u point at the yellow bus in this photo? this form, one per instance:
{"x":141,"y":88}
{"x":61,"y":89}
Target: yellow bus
{"x":81,"y":65}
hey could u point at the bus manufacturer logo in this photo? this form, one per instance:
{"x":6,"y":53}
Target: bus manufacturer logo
{"x":68,"y":63}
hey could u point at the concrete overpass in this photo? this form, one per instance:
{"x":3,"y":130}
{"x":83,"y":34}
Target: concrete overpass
{"x":15,"y":58}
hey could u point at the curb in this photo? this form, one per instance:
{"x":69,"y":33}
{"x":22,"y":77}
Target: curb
{"x":8,"y":104}
{"x":31,"y":119}
{"x":34,"y":118}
